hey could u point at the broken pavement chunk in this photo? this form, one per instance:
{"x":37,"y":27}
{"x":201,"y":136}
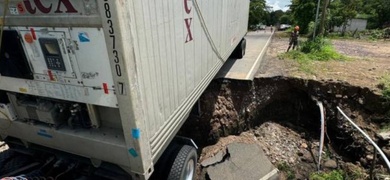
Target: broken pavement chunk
{"x":214,"y":159}
{"x":246,"y":161}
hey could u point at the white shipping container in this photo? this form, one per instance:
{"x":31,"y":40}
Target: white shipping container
{"x":139,"y":66}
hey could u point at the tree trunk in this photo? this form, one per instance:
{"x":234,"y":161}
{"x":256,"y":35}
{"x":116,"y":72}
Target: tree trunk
{"x":343,"y":29}
{"x":323,"y":18}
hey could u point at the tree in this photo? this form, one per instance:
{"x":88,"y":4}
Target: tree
{"x":275,"y":16}
{"x":343,"y":10}
{"x":257,"y":12}
{"x":323,"y":17}
{"x":378,"y":11}
{"x":303,"y":12}
{"x":286,"y":18}
{"x":383,"y":12}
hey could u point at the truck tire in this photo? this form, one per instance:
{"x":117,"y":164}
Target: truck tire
{"x":184,"y":166}
{"x":239,"y":52}
{"x":164,"y":164}
{"x":243,"y":47}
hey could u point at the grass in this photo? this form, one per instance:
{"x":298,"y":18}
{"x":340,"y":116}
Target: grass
{"x":332,"y":175}
{"x":352,"y":171}
{"x":385,"y":86}
{"x":286,"y":169}
{"x":305,"y":64}
{"x":318,"y":49}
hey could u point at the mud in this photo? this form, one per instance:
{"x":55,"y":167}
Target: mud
{"x":287,"y":107}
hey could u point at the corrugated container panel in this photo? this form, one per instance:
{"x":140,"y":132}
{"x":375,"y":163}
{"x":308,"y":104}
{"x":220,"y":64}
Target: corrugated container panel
{"x":170,"y":64}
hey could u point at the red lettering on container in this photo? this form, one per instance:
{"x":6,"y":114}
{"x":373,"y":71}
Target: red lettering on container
{"x":68,"y":5}
{"x":188,"y":26}
{"x":41,"y":7}
{"x":29,"y":8}
{"x":188,"y":10}
{"x":20,"y":8}
{"x":32,"y":10}
{"x":188,"y":21}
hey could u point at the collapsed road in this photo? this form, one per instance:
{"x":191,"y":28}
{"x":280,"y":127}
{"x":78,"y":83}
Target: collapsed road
{"x":280,"y":114}
{"x":278,"y":111}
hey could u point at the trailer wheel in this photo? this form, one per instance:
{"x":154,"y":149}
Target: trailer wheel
{"x":243,"y":47}
{"x":183,"y":167}
{"x":239,"y":52}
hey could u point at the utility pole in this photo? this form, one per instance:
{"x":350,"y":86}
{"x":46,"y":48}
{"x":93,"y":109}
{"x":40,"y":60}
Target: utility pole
{"x":323,"y":17}
{"x":316,"y":21}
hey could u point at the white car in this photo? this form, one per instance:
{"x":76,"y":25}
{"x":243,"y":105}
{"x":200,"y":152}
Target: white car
{"x":284,"y":26}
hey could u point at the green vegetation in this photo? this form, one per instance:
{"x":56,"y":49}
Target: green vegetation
{"x":305,"y":64}
{"x":286,"y":169}
{"x":385,"y":86}
{"x":332,"y":13}
{"x":257,"y":12}
{"x":333,"y":175}
{"x":338,"y":12}
{"x":321,"y":50}
{"x":374,"y":35}
{"x":303,"y":12}
{"x":318,"y":49}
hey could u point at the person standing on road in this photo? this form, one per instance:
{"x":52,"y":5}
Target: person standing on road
{"x":272,"y":29}
{"x":294,"y":38}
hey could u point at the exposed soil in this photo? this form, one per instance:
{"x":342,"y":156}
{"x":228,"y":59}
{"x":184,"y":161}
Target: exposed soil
{"x":279,"y":108}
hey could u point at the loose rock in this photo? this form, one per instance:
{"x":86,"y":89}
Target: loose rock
{"x":384,"y":136}
{"x":331,"y":164}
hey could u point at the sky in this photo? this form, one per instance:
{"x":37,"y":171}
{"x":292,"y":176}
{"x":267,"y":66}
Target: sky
{"x":278,"y":4}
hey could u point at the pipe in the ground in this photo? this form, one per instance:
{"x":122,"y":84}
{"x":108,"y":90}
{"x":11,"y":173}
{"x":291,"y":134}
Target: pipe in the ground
{"x":321,"y":106}
{"x":367,"y":137}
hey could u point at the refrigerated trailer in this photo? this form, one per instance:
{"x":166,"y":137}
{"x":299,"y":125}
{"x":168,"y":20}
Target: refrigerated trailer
{"x":112,"y":81}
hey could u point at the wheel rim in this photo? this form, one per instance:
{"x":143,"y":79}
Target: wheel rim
{"x":190,"y":170}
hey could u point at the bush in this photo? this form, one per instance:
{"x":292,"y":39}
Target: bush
{"x":333,"y":175}
{"x":312,"y":45}
{"x":318,"y":49}
{"x":326,"y":53}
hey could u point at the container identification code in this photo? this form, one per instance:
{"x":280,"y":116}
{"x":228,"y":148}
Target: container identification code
{"x":111,"y":31}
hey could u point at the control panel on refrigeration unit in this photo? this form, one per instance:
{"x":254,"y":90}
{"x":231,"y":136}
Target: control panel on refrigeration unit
{"x":52,"y":54}
{"x":61,"y":63}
